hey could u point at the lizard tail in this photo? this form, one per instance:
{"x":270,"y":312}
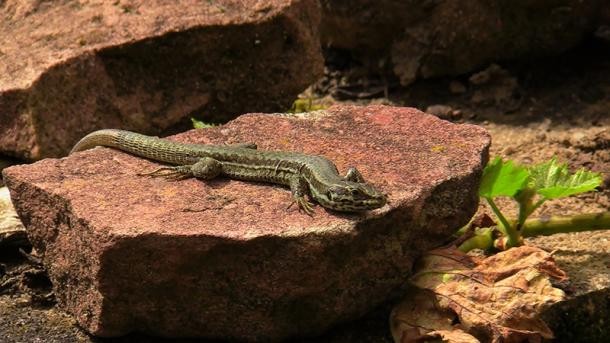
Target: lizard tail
{"x":108,"y":137}
{"x":140,"y":145}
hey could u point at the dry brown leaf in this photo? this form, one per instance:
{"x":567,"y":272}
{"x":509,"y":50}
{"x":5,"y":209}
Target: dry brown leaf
{"x":420,"y":319}
{"x":417,"y":316}
{"x":12,"y":232}
{"x":496,"y":299}
{"x":453,"y":336}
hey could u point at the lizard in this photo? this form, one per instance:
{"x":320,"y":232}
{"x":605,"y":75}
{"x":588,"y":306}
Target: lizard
{"x":305,"y":174}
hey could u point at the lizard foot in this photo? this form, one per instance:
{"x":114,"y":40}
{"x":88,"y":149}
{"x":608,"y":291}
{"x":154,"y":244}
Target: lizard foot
{"x":303,"y":205}
{"x":171,"y":173}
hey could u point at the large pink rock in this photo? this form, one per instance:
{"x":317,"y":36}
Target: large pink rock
{"x":70,"y":67}
{"x":226,"y":258}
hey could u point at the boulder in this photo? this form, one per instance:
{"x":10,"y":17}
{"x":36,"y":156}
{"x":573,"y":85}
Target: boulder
{"x":70,"y":67}
{"x":228,"y":259}
{"x":439,"y":38}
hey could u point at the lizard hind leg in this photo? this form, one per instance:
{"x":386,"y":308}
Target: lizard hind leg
{"x":206,"y":168}
{"x":170,"y":173}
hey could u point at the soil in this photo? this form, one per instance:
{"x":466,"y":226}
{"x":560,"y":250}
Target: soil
{"x":535,"y":110}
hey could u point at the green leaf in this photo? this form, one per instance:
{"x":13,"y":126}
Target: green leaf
{"x":502,"y":179}
{"x":553,"y":180}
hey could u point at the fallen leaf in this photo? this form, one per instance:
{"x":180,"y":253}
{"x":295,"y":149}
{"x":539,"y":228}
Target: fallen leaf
{"x":12,"y":232}
{"x":417,"y":316}
{"x":495,"y":299}
{"x":453,"y":336}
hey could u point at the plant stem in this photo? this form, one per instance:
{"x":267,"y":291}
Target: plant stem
{"x":506,"y":228}
{"x":482,"y":240}
{"x":555,"y":224}
{"x":524,"y":198}
{"x":536,"y":205}
{"x":463,"y":229}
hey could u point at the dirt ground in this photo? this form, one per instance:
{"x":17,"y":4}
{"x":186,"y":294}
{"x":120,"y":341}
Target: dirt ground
{"x":535,"y":110}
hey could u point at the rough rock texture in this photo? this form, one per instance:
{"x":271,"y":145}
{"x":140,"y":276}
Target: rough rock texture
{"x":437,"y":38}
{"x":225,"y":258}
{"x":69,"y":67}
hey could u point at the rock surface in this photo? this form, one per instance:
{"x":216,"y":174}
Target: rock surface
{"x":225,"y":258}
{"x":69,"y":67}
{"x":438,"y":38}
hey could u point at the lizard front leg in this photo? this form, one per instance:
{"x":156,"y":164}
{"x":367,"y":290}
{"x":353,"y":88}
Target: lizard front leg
{"x":206,"y":168}
{"x":299,"y":188}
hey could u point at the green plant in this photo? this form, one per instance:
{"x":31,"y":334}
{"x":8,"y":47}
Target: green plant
{"x":530,"y":187}
{"x":305,"y":105}
{"x":198,"y":124}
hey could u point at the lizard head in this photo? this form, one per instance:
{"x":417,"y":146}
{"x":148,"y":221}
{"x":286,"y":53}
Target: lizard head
{"x":353,"y":196}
